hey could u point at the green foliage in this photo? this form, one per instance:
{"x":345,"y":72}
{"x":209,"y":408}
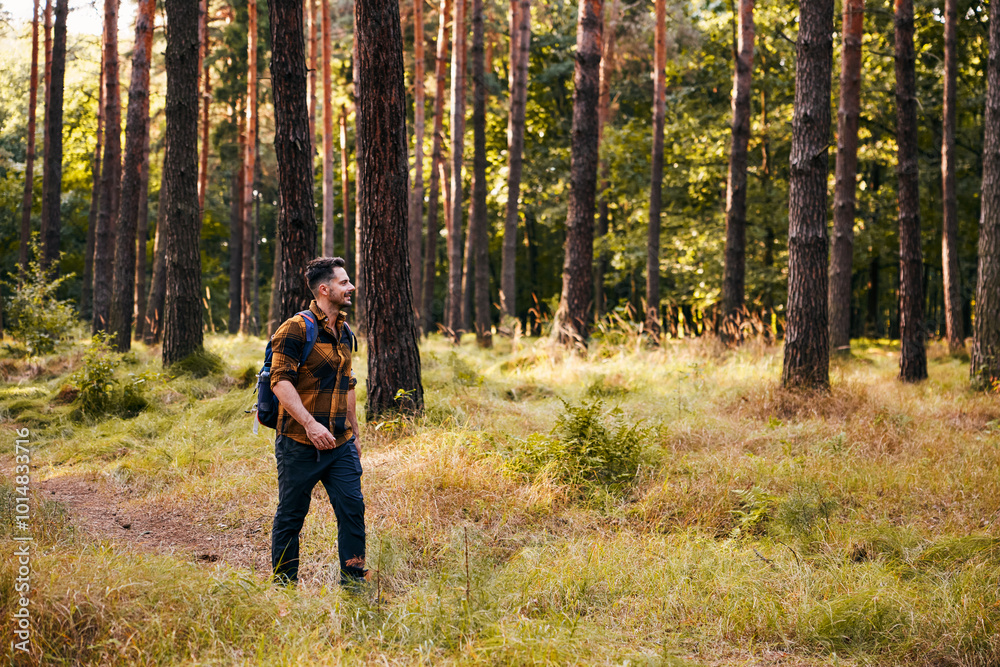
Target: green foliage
{"x":36,"y":316}
{"x":101,"y":392}
{"x":756,"y":507}
{"x":200,"y":363}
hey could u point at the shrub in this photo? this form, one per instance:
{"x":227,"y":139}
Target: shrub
{"x":35,"y":316}
{"x":199,"y":364}
{"x":100,"y":392}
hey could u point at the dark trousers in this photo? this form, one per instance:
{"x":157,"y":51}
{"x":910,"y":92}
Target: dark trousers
{"x":300,"y":467}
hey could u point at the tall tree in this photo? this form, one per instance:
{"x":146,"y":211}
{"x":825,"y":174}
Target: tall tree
{"x":949,"y":235}
{"x":416,"y":210}
{"x":206,"y":102}
{"x":359,"y":227}
{"x":736,"y":187}
{"x":478,"y":233}
{"x":807,"y":342}
{"x":136,"y":131}
{"x":152,"y":330}
{"x":520,"y":46}
{"x":182,"y":314}
{"x":652,"y":325}
{"x":236,"y":224}
{"x":107,"y":215}
{"x":52,"y":192}
{"x":327,"y":134}
{"x":604,"y":177}
{"x":458,"y":31}
{"x":345,"y":199}
{"x":29,"y":167}
{"x":985,"y":366}
{"x":573,"y":316}
{"x":86,"y":297}
{"x":842,"y":253}
{"x":393,"y":357}
{"x":912,"y":355}
{"x":47,"y":79}
{"x":142,"y":236}
{"x":247,"y":318}
{"x":313,"y":38}
{"x":293,"y":150}
{"x":430,"y":251}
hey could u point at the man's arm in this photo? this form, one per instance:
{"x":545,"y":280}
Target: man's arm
{"x":352,"y":418}
{"x":318,"y":434}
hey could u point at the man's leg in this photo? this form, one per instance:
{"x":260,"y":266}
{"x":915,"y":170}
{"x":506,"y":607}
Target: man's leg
{"x":298,"y":473}
{"x":343,"y":483}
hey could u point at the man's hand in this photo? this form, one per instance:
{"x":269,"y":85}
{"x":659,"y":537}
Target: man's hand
{"x":320,"y":435}
{"x":357,"y":446}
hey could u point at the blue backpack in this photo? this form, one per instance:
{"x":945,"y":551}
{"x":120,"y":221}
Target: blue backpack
{"x":267,"y":402}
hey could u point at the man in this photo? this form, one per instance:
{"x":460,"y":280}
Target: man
{"x":317,"y":438}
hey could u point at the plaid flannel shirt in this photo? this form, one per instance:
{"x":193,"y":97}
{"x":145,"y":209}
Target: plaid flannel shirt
{"x":322,"y":381}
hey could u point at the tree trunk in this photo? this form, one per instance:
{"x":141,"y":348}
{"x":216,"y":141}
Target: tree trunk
{"x":256,"y":243}
{"x":652,"y":325}
{"x":519,"y":55}
{"x":236,"y":232}
{"x":86,"y":297}
{"x":416,"y":210}
{"x":136,"y":130}
{"x":359,"y":294}
{"x":142,"y":235}
{"x":153,"y":328}
{"x":458,"y":31}
{"x":52,"y":194}
{"x":206,"y":102}
{"x":872,"y":317}
{"x":393,"y":357}
{"x":807,"y":342}
{"x":29,"y":167}
{"x":842,"y":254}
{"x":985,"y":366}
{"x":736,"y":187}
{"x":313,"y":39}
{"x":430,"y":251}
{"x":572,"y":318}
{"x":110,"y":174}
{"x":274,"y":307}
{"x":249,"y":169}
{"x":912,"y":356}
{"x":182,"y":313}
{"x":327,"y":135}
{"x":949,"y":236}
{"x":478,"y":233}
{"x":604,"y":179}
{"x":293,"y":150}
{"x":345,"y":188}
{"x":47,"y":79}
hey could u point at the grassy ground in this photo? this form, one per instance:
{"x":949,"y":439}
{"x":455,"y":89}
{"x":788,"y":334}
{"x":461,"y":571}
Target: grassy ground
{"x":696,"y":515}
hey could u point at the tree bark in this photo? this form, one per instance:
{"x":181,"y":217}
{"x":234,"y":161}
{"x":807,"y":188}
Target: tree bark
{"x":416,"y":210}
{"x":52,"y":193}
{"x":153,"y":328}
{"x":912,"y":356}
{"x":604,"y":178}
{"x":734,"y":280}
{"x":236,"y":231}
{"x":458,"y":31}
{"x":87,"y":293}
{"x":478,"y":233}
{"x":274,"y":307}
{"x":519,"y":57}
{"x":313,"y":39}
{"x":430,"y":252}
{"x":345,"y":188}
{"x":29,"y":167}
{"x":393,"y":357}
{"x":206,"y":102}
{"x":247,"y":318}
{"x":182,"y":311}
{"x":293,"y":150}
{"x":985,"y":366}
{"x":652,"y":324}
{"x":571,"y":322}
{"x":142,"y":236}
{"x":949,"y":236}
{"x":47,"y":79}
{"x":807,"y":342}
{"x":842,"y":254}
{"x":359,"y":293}
{"x":107,"y":218}
{"x":136,"y":130}
{"x":327,"y":135}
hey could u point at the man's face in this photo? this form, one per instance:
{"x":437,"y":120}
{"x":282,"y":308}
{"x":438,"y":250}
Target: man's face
{"x":338,"y":289}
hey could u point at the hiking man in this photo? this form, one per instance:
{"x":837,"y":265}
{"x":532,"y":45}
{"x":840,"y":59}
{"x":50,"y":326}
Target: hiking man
{"x":317,"y":431}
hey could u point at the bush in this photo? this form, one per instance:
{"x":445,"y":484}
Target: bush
{"x":101,"y":393}
{"x":199,"y":364}
{"x":34,"y":315}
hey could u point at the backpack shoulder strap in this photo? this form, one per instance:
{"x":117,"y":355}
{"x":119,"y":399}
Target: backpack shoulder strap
{"x":312,"y":333}
{"x":354,"y":339}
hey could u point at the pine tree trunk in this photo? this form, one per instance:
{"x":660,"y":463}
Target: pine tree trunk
{"x":236,"y":232}
{"x":47,"y":79}
{"x":416,"y":210}
{"x":52,"y":193}
{"x":293,"y":150}
{"x":327,"y":135}
{"x":142,"y":235}
{"x":478,"y":233}
{"x":393,"y":357}
{"x":312,"y":36}
{"x":458,"y":31}
{"x":652,"y":323}
{"x":182,"y":310}
{"x":29,"y":167}
{"x":912,"y":356}
{"x":359,"y":294}
{"x":87,"y":292}
{"x":136,"y":131}
{"x":345,"y":198}
{"x":425,"y":307}
{"x":736,"y":188}
{"x":985,"y":366}
{"x":256,"y":243}
{"x":519,"y":56}
{"x":842,"y":254}
{"x":807,"y":342}
{"x":949,"y":236}
{"x":274,"y":307}
{"x":573,"y":317}
{"x":249,"y":168}
{"x":107,"y":217}
{"x":206,"y":102}
{"x":604,"y":178}
{"x":153,"y":328}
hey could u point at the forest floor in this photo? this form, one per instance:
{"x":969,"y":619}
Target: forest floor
{"x":665,"y":506}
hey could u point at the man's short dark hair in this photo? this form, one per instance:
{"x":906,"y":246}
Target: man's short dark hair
{"x":320,"y":270}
